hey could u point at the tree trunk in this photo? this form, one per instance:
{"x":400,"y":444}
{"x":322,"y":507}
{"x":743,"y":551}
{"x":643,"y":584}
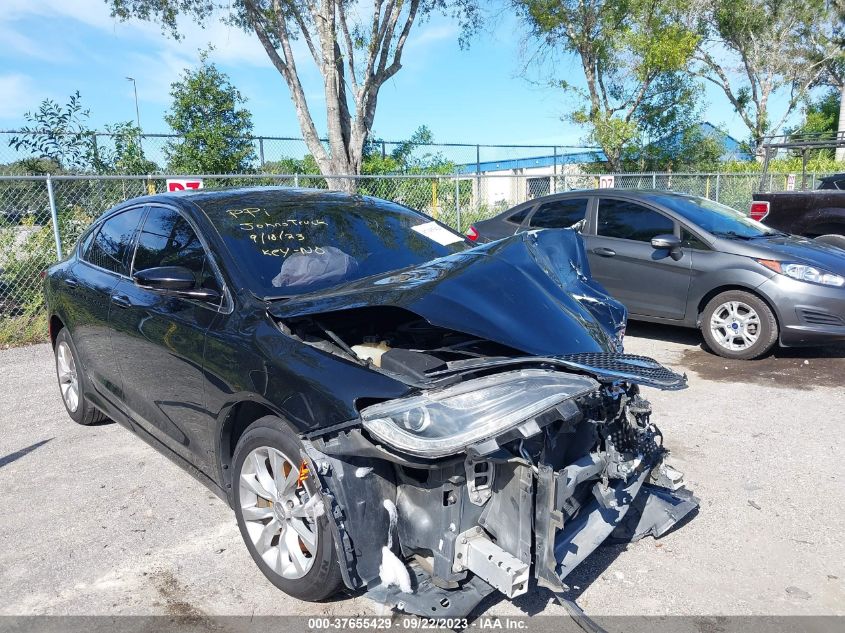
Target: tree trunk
{"x":840,"y":151}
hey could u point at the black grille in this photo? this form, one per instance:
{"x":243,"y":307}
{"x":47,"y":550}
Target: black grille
{"x":814,"y":317}
{"x":638,"y":369}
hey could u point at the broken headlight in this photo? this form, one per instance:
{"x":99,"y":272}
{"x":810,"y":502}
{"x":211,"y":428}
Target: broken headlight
{"x":444,"y":422}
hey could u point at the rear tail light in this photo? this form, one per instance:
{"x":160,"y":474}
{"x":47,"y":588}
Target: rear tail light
{"x":759,"y":210}
{"x":472,"y":234}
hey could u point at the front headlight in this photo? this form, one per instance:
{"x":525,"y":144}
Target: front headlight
{"x":443,"y":422}
{"x":804,"y":272}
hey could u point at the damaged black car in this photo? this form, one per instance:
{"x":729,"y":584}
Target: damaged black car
{"x":385,"y":406}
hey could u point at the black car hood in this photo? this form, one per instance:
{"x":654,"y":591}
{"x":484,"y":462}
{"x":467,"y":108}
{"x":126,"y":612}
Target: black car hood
{"x":531,"y":292}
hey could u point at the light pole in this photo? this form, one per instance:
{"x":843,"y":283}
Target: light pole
{"x":137,"y":111}
{"x":140,"y":137}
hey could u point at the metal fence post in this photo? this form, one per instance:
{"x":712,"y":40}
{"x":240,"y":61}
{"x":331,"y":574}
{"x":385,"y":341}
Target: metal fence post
{"x":296,"y":180}
{"x":718,"y":185}
{"x":261,"y":149}
{"x":478,"y":177}
{"x":458,"y":202}
{"x":55,"y":216}
{"x":653,"y":180}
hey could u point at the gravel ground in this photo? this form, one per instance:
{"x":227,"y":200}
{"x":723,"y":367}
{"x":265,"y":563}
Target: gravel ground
{"x":94,"y":521}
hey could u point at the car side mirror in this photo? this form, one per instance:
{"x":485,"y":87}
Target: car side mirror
{"x":671,"y":243}
{"x":174,"y":279}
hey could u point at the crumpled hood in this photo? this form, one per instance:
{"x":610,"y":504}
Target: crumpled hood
{"x":531,"y":292}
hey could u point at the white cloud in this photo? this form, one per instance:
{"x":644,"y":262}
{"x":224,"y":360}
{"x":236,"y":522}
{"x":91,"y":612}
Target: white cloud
{"x":433,"y":33}
{"x":16,"y":95}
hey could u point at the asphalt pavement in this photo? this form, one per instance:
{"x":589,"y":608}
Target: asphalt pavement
{"x":95,"y":522}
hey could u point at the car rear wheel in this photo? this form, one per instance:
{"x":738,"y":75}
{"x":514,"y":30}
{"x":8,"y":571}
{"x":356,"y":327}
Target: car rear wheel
{"x":833,"y":240}
{"x":72,"y":382}
{"x":281,"y":521}
{"x":737,"y":324}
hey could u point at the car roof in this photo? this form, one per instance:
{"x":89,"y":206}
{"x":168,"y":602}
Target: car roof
{"x":293,"y":194}
{"x":654,"y":195}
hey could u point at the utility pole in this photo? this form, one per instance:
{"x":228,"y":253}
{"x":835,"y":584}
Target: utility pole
{"x":137,"y":111}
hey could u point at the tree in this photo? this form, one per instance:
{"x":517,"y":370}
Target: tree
{"x":821,"y":120}
{"x":57,"y":134}
{"x":126,"y":156}
{"x":356,"y":47}
{"x":408,"y":157}
{"x":214,"y":130}
{"x":632,"y":53}
{"x":753,"y":49}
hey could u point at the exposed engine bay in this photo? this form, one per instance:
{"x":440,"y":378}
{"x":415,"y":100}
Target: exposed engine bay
{"x":521,"y":444}
{"x":432,"y":527}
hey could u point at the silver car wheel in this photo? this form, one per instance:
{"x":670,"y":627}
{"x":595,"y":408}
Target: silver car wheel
{"x":275,"y":512}
{"x":735,"y":325}
{"x":68,"y":378}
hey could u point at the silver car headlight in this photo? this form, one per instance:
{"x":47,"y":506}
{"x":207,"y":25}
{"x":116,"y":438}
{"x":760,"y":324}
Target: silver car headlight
{"x":804,"y":272}
{"x":444,"y":422}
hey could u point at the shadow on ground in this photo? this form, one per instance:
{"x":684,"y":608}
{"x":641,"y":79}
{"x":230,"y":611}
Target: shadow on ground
{"x":789,"y":368}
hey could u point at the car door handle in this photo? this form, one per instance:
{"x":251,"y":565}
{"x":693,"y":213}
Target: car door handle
{"x":121,"y":301}
{"x":604,"y":252}
{"x":71,"y":283}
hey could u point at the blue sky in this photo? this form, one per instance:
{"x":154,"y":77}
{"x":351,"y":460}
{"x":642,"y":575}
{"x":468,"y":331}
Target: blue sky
{"x":53,"y":47}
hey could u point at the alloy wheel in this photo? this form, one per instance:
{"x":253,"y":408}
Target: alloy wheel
{"x":735,"y":325}
{"x":68,"y":378}
{"x":275,"y":509}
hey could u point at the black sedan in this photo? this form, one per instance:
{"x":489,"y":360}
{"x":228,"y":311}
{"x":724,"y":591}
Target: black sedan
{"x":686,"y":260}
{"x":383,"y":405}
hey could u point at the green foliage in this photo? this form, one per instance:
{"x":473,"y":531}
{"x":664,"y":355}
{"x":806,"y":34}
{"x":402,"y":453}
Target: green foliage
{"x":27,"y":248}
{"x":57,"y":133}
{"x":215,"y":131}
{"x":822,"y":115}
{"x":756,"y":49}
{"x":60,"y":142}
{"x":413,"y":156}
{"x":306,"y":165}
{"x":634,"y":55}
{"x":127,"y":155}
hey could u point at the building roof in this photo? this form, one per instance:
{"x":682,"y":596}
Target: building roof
{"x":732,"y":151}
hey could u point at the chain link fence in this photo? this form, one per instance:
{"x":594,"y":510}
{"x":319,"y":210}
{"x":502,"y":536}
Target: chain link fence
{"x":42,"y":217}
{"x":274,"y":154}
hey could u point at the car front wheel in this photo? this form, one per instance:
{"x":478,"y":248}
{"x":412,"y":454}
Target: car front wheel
{"x":737,"y":324}
{"x":280,"y":513}
{"x":72,"y":382}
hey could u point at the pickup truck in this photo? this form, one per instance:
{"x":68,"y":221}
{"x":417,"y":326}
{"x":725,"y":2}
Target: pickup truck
{"x":818,"y":214}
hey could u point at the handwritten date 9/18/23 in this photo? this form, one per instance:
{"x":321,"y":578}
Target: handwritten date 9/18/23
{"x":279,"y":233}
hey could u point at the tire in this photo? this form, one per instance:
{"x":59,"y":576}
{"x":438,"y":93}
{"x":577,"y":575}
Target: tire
{"x":832,"y":240}
{"x":307,"y":573}
{"x":730,"y":317}
{"x":72,"y":380}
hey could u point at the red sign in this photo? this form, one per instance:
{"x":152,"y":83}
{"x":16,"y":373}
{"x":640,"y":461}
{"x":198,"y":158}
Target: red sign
{"x":183,"y":184}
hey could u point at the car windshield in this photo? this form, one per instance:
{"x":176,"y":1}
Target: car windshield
{"x":292,"y":245}
{"x":717,"y":219}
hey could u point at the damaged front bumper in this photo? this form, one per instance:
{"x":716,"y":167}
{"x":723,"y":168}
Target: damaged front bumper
{"x":534,"y":501}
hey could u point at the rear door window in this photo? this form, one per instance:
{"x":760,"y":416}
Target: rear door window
{"x":168,"y":239}
{"x":113,"y":242}
{"x":519,"y":216}
{"x":560,"y":214}
{"x":631,"y":221}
